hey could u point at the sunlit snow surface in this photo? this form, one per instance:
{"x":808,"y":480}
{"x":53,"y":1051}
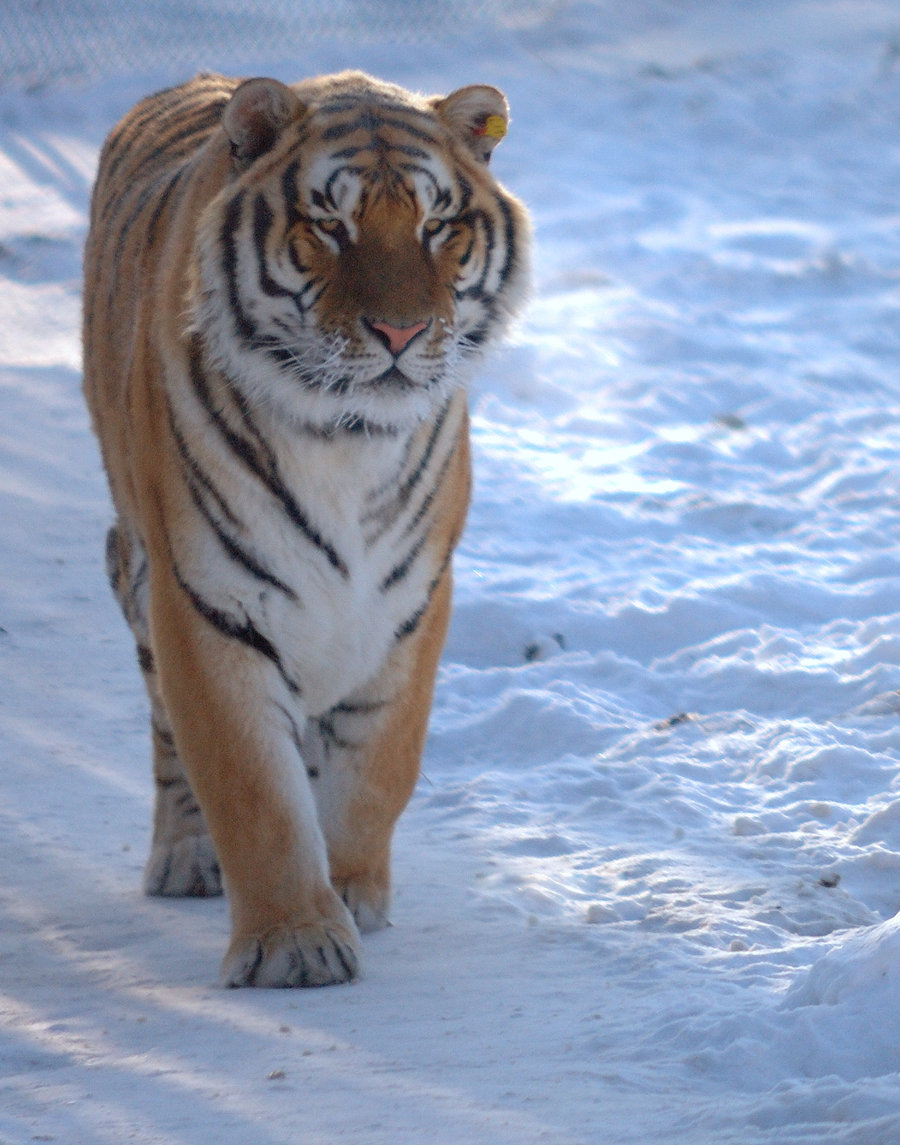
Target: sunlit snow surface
{"x":647,"y":889}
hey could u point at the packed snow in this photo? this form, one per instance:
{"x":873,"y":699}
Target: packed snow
{"x":648,"y":888}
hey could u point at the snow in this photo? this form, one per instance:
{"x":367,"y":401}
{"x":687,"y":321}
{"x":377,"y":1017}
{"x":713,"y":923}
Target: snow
{"x":648,"y":888}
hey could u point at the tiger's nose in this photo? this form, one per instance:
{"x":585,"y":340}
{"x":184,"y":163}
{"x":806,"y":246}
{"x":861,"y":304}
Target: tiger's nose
{"x":397,"y":338}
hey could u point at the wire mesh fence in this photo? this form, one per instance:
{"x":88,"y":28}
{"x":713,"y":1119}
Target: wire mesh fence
{"x":47,"y":41}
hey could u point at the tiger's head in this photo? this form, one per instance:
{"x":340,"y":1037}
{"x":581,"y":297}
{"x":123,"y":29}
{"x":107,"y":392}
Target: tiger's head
{"x":360,"y":257}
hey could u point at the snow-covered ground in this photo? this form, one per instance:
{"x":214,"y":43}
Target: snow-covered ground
{"x":647,"y":890}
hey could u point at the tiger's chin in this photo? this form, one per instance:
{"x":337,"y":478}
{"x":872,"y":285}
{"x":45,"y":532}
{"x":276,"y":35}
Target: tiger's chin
{"x":394,"y":379}
{"x":395,"y":401}
{"x":390,"y":403}
{"x":391,"y":410}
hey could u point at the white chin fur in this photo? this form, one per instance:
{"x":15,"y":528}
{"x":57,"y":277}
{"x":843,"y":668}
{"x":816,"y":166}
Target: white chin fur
{"x":282,"y":389}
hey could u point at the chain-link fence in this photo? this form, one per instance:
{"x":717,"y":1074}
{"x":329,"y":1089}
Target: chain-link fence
{"x":45,"y":41}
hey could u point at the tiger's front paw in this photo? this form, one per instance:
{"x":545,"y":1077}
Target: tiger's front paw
{"x":314,"y":954}
{"x":367,"y":899}
{"x":186,"y":868}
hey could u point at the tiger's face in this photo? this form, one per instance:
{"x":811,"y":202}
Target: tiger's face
{"x":361,"y":256}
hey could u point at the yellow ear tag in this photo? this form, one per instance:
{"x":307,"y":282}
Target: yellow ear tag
{"x":494,"y":126}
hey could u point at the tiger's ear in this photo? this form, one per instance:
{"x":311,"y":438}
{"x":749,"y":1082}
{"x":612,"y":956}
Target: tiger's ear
{"x":478,"y":115}
{"x":254,"y":116}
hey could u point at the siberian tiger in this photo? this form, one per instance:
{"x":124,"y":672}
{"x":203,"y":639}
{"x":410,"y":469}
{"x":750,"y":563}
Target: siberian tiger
{"x":286,"y":289}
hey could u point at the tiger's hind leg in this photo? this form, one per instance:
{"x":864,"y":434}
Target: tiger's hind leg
{"x":182,"y":856}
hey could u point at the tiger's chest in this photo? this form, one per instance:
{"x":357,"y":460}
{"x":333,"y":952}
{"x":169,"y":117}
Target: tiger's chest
{"x":326,"y":552}
{"x":344,"y":621}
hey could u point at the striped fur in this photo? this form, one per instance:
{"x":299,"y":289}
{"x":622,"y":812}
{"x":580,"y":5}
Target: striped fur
{"x":286,"y":289}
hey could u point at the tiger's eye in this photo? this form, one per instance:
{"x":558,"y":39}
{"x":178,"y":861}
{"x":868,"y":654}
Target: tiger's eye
{"x":433,"y":227}
{"x":333,"y":227}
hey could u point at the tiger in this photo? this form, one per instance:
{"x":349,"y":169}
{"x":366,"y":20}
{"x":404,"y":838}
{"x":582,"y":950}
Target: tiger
{"x":287,"y":290}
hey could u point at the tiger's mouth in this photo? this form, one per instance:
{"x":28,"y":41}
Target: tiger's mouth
{"x":320,"y":383}
{"x":313,"y":375}
{"x":393,"y":378}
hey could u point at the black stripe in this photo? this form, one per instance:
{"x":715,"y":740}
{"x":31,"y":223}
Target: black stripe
{"x":403,"y":125}
{"x":370,"y":121}
{"x":294,"y":256}
{"x":425,"y":457}
{"x":360,"y":708}
{"x":329,"y":734}
{"x":154,"y":105}
{"x":333,"y":178}
{"x":114,"y":570}
{"x":267,"y":473}
{"x":418,"y":168}
{"x":244,"y":327}
{"x":244,"y":632}
{"x":480,"y":333}
{"x":312,"y":772}
{"x":263,"y":218}
{"x":165,"y":118}
{"x":158,"y":189}
{"x":165,"y":740}
{"x":340,"y":130}
{"x":408,"y":627}
{"x":467,"y":254}
{"x":436,"y":486}
{"x":236,"y":551}
{"x":286,"y":359}
{"x":444,"y":198}
{"x":473,"y":219}
{"x":176,"y":146}
{"x":380,"y":490}
{"x":510,"y":236}
{"x":466,"y":192}
{"x":291,"y":192}
{"x":195,"y":472}
{"x":300,"y":302}
{"x":350,"y":152}
{"x":167,"y":103}
{"x":292,"y":723}
{"x":400,"y":571}
{"x":123,"y":229}
{"x":194,"y":469}
{"x":353,"y":427}
{"x":410,"y":151}
{"x":359,"y":425}
{"x":165,"y":197}
{"x":351,"y":102}
{"x":303,"y":306}
{"x":479,"y":289}
{"x":136,"y":589}
{"x":388,"y":514}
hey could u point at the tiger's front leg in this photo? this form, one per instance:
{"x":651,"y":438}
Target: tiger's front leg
{"x":229,"y":707}
{"x":364,"y":756}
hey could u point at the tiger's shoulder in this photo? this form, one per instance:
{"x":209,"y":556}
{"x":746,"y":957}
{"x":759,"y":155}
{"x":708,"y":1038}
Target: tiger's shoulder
{"x":163,"y":129}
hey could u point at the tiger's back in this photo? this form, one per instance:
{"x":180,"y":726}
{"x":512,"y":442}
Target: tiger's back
{"x":285,"y":291}
{"x":143,"y":161}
